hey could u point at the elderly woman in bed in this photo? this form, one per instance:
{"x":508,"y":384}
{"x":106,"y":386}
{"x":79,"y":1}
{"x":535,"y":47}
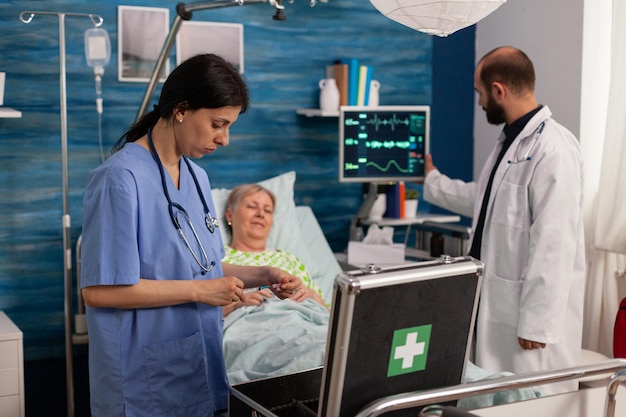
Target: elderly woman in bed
{"x":250,"y":214}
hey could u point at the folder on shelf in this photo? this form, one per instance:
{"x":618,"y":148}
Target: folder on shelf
{"x":340,"y":72}
{"x":353,"y":80}
{"x":401,"y":198}
{"x":392,"y":193}
{"x":365,"y":76}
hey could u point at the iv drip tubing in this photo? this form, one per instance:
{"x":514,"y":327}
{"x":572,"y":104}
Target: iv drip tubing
{"x":27,"y":17}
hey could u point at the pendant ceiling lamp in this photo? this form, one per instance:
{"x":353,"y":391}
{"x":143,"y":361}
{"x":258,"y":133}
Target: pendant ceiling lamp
{"x":435,"y":17}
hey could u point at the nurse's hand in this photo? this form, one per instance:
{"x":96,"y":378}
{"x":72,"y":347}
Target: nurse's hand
{"x":219,"y":291}
{"x":287,"y":283}
{"x":428,"y":163}
{"x":530,"y":344}
{"x":253,"y":299}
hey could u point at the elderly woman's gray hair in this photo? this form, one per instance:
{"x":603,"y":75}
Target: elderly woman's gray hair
{"x":239,"y":192}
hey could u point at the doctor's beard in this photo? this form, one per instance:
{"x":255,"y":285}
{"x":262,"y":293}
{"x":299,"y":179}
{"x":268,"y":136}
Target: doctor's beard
{"x":496,"y":115}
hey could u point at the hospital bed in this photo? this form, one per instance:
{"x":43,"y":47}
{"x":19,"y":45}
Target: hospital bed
{"x":295,"y":334}
{"x":283,"y":337}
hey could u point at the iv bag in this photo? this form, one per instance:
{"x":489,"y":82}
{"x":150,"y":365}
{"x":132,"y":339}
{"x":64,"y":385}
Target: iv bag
{"x":97,"y":47}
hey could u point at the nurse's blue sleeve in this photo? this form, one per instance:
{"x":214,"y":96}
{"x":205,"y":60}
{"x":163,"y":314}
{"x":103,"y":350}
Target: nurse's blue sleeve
{"x":109,"y":249}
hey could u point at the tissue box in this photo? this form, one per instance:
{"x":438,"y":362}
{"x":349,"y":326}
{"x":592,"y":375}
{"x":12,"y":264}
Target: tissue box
{"x":360,"y":254}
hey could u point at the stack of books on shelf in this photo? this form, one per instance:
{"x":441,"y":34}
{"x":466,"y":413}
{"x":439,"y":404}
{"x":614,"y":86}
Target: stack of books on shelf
{"x":395,"y":194}
{"x":353,"y":81}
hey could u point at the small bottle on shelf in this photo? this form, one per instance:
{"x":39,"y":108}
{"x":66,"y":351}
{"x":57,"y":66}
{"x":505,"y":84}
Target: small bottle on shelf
{"x":436,"y":244}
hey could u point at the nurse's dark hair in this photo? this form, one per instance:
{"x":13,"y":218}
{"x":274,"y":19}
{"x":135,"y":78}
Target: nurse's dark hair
{"x":203,"y":81}
{"x":509,"y":66}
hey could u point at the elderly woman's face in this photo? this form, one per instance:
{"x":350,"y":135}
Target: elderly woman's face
{"x":254,"y":215}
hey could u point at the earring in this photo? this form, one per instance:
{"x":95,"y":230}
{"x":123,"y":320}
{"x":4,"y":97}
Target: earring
{"x":229,"y":223}
{"x":180,"y":121}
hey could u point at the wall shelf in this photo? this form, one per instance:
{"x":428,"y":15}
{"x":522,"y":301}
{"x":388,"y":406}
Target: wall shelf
{"x":418,"y":219}
{"x":7,"y":113}
{"x":317,"y":113}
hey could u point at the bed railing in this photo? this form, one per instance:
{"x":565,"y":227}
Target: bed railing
{"x":617,"y":378}
{"x":416,"y":399}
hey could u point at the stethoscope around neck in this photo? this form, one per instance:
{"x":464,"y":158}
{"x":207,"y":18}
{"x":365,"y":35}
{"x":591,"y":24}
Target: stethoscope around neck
{"x":210,"y":220}
{"x":527,"y":157}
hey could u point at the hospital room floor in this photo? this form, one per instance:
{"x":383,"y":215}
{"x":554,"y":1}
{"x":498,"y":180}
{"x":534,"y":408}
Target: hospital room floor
{"x":45,"y":387}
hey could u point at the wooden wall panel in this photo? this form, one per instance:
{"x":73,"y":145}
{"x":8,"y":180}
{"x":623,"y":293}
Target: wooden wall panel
{"x":283,"y":61}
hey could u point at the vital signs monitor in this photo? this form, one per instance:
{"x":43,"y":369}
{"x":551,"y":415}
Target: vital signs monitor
{"x":381,"y":144}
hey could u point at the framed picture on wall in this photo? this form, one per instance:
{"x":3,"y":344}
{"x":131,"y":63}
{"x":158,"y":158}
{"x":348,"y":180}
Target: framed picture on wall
{"x":141,"y":35}
{"x":224,"y":39}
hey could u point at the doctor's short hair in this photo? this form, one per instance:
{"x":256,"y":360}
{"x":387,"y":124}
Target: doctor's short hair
{"x":241,"y":191}
{"x":509,"y":66}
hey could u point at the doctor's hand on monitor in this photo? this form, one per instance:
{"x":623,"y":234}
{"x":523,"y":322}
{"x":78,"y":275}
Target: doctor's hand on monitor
{"x":428,"y":164}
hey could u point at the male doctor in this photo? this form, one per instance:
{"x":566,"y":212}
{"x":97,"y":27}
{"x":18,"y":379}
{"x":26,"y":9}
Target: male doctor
{"x":527,"y":226}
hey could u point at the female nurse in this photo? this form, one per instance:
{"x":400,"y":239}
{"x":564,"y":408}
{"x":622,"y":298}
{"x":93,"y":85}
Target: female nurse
{"x":152,"y":276}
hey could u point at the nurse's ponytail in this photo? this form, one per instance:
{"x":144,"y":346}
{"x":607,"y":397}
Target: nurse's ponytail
{"x":138,"y":129}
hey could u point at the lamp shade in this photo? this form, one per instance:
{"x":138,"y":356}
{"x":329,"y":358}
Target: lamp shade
{"x":435,"y":17}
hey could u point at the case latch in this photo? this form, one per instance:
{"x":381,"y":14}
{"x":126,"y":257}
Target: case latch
{"x":446,"y":259}
{"x":371,"y":269}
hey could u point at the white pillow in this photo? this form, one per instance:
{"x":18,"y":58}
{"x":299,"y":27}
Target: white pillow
{"x":285,"y":232}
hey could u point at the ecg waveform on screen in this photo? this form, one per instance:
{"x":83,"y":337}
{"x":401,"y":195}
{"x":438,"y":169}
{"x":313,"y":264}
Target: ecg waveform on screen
{"x":383,"y":144}
{"x":377,"y":121}
{"x":391,"y":122}
{"x":388,"y":144}
{"x":350,"y":166}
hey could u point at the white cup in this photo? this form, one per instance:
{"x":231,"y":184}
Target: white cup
{"x":329,"y":95}
{"x":410,"y":208}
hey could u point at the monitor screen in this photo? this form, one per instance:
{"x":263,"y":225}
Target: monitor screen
{"x":383,"y":143}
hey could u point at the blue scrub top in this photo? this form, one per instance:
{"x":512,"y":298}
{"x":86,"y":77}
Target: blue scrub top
{"x":154,"y":361}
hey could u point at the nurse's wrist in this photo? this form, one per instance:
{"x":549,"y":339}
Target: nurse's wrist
{"x":195,"y":295}
{"x":270,"y":274}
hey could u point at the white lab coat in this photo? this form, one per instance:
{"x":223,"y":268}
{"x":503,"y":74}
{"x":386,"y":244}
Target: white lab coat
{"x":532,"y":247}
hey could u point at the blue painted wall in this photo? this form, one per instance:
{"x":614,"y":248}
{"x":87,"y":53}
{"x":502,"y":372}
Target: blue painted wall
{"x":283,"y":63}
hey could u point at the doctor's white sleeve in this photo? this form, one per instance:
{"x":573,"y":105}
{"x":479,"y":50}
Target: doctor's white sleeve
{"x":453,"y":195}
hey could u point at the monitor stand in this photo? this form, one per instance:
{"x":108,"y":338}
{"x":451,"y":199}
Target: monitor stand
{"x":356,"y":225}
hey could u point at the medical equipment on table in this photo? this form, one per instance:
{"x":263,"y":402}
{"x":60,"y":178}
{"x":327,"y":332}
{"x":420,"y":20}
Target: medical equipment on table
{"x":210,"y":220}
{"x":527,"y":156}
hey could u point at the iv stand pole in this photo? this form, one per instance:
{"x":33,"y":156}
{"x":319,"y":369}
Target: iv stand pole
{"x":27,"y":17}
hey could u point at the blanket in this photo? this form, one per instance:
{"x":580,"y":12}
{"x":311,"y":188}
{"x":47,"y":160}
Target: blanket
{"x":283,"y":337}
{"x":276,"y":338}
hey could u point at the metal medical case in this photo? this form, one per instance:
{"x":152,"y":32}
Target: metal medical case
{"x":391,"y":330}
